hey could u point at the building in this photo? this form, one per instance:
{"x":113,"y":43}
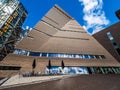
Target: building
{"x":12,"y":17}
{"x":109,"y":39}
{"x":59,"y":45}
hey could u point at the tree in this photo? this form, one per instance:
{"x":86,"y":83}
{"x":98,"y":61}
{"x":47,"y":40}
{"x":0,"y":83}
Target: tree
{"x":62,"y":64}
{"x":49,"y":66}
{"x":34,"y":65}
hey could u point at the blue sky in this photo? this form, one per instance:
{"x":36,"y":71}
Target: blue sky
{"x":93,"y":15}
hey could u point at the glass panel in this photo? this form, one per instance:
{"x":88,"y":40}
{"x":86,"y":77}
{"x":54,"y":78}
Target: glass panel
{"x":34,"y":54}
{"x":91,"y":56}
{"x":116,"y":70}
{"x":118,"y":50}
{"x":66,"y":70}
{"x":23,"y":52}
{"x":86,"y":56}
{"x":16,"y":52}
{"x":97,"y":70}
{"x":109,"y":35}
{"x":102,"y":56}
{"x":44,"y":54}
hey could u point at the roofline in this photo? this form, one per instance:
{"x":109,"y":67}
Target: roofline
{"x":61,"y":10}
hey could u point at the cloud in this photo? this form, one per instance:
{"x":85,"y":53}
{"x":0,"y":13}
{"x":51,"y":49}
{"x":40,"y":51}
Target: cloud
{"x":94,"y":16}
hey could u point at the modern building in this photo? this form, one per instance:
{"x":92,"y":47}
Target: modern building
{"x":109,"y":39}
{"x":59,"y":45}
{"x":12,"y":17}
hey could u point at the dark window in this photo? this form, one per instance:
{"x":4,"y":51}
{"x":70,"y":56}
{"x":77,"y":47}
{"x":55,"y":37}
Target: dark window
{"x":51,"y":55}
{"x":86,"y":56}
{"x":97,"y":56}
{"x":107,"y":70}
{"x":89,"y":70}
{"x":102,"y":56}
{"x":44,"y":54}
{"x":114,"y":43}
{"x":34,"y":54}
{"x":116,"y":70}
{"x":118,"y":50}
{"x":97,"y":70}
{"x":10,"y":68}
{"x":91,"y":56}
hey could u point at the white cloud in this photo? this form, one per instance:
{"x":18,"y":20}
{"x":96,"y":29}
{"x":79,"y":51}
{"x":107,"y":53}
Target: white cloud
{"x":94,"y":16}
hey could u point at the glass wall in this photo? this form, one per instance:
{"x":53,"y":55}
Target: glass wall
{"x":6,"y":9}
{"x":66,"y":70}
{"x":104,"y":70}
{"x":12,"y":17}
{"x":82,"y":70}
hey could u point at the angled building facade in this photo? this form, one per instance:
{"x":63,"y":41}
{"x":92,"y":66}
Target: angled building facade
{"x":59,"y":41}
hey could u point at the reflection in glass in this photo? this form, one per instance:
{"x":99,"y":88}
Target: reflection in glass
{"x":67,"y":70}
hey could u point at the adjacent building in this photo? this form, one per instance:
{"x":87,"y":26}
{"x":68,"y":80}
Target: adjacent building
{"x":109,"y":38}
{"x":12,"y":17}
{"x":59,"y":45}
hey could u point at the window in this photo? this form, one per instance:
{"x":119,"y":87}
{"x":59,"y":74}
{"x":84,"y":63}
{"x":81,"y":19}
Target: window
{"x":109,"y":35}
{"x":118,"y":50}
{"x":107,"y":70}
{"x":23,"y":52}
{"x":77,"y":56}
{"x":86,"y":56}
{"x":97,"y":56}
{"x":66,"y":70}
{"x":44,"y":54}
{"x":16,"y":52}
{"x":91,"y":56}
{"x":53,"y":55}
{"x":10,"y":68}
{"x":57,"y":55}
{"x":102,"y":56}
{"x":114,"y":43}
{"x":70,"y":56}
{"x":34,"y":54}
{"x":97,"y":70}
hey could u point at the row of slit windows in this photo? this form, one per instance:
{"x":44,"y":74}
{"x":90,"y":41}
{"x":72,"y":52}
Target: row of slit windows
{"x":79,"y":70}
{"x":104,"y":70}
{"x":58,"y":55}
